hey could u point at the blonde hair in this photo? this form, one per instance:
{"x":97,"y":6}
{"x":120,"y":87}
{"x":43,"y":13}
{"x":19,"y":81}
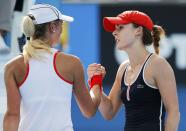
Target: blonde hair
{"x":33,"y":47}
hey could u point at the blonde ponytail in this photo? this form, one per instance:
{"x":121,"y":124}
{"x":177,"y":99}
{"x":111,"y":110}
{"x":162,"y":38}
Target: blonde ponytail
{"x":33,"y":47}
{"x":28,"y":26}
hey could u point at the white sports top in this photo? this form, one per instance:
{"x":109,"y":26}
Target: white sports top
{"x":46,"y":97}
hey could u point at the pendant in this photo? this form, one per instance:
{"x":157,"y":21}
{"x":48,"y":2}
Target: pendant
{"x":128,"y":91}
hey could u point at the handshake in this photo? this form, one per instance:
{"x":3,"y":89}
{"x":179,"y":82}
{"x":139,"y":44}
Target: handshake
{"x":96,"y":73}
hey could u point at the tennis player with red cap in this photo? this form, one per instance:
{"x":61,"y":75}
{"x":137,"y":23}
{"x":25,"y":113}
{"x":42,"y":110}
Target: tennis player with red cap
{"x":145,"y":83}
{"x":40,"y":82}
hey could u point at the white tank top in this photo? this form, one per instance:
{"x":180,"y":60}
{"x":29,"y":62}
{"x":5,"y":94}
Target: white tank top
{"x":46,"y":97}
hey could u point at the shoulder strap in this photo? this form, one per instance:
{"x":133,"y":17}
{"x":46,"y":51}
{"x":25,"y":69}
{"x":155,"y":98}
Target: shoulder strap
{"x":122,"y":79}
{"x":146,"y":60}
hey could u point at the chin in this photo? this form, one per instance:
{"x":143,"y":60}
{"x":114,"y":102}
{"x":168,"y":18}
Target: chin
{"x":120,"y":47}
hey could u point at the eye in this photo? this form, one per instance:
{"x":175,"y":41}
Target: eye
{"x":119,"y":27}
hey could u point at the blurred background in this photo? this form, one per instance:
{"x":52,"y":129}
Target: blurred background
{"x":86,"y":39}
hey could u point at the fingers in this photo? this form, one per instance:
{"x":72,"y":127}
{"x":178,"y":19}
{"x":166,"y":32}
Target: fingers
{"x":92,"y":69}
{"x":95,"y":69}
{"x":103,"y":71}
{"x":94,"y":66}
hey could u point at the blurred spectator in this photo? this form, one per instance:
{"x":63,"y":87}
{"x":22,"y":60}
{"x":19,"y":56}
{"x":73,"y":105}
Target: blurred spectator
{"x":6,"y":13}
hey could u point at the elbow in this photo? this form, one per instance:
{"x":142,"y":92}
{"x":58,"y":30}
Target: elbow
{"x":176,"y":116}
{"x":108,"y":117}
{"x":89,"y":114}
{"x":13,"y":114}
{"x":10,"y":118}
{"x":107,"y":114}
{"x":175,"y":113}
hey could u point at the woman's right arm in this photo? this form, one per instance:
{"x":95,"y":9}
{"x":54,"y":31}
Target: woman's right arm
{"x":12,"y":115}
{"x":87,"y":102}
{"x":110,"y":105}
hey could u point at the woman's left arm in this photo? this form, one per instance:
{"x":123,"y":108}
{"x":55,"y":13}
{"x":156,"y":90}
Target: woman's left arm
{"x":166,"y":83}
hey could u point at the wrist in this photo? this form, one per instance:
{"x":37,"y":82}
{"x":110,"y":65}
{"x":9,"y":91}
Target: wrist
{"x":96,"y":80}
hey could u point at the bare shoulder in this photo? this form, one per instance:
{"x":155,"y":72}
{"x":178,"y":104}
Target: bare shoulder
{"x":160,"y":65}
{"x":160,"y":62}
{"x":72,"y":68}
{"x":72,"y":59}
{"x":15,"y":63}
{"x":70,"y":63}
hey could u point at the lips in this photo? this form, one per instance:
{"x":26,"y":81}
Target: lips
{"x":116,"y":39}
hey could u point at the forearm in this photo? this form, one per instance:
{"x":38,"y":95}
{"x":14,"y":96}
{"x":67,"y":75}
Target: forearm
{"x":95,"y":94}
{"x":172,"y":121}
{"x":10,"y":122}
{"x":106,"y":107}
{"x":95,"y":91}
{"x":89,"y":105}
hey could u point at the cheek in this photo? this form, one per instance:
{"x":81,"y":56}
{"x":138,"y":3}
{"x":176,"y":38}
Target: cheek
{"x":57,"y":36}
{"x":60,"y":30}
{"x":127,"y":37}
{"x":59,"y":33}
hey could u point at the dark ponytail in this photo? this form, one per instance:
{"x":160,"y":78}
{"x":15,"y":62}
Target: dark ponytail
{"x":152,"y":37}
{"x":156,"y":33}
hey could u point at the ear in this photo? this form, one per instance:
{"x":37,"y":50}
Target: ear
{"x":52,"y":27}
{"x":139,"y":31}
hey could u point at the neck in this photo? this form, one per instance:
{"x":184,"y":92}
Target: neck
{"x":45,"y":41}
{"x":137,"y":55}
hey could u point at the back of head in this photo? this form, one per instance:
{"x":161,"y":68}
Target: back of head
{"x":34,"y":26}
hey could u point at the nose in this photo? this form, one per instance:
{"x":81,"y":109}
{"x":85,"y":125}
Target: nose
{"x":114,"y":33}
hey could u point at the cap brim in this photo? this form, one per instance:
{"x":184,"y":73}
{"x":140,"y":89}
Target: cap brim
{"x":66,"y":18}
{"x":109,"y":23}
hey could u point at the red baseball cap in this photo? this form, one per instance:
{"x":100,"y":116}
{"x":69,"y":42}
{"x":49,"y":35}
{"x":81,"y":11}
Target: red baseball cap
{"x":127,"y":17}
